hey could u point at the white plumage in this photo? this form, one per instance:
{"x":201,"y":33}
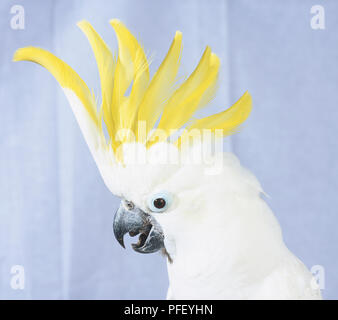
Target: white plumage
{"x":224,"y":241}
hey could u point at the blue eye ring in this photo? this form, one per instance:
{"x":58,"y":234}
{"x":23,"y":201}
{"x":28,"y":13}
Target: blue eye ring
{"x":159,"y":202}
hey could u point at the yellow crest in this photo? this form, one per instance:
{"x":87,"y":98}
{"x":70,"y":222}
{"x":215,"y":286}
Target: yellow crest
{"x":150,"y":101}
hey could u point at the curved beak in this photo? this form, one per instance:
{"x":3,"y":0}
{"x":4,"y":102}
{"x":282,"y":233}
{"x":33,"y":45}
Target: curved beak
{"x":132,"y":220}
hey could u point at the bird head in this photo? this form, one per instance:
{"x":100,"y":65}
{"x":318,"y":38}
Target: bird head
{"x":175,"y":199}
{"x":144,"y":142}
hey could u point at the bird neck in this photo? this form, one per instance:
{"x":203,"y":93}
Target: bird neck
{"x":215,"y":258}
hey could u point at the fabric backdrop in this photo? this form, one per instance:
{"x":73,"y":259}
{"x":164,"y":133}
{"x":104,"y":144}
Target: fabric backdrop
{"x":55,"y":211}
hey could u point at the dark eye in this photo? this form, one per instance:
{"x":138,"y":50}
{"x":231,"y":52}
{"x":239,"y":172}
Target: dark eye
{"x":159,"y":202}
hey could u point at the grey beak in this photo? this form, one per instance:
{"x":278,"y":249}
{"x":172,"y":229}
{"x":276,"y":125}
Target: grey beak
{"x":132,"y":220}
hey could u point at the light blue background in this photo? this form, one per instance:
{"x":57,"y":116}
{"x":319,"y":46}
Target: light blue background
{"x":55,"y":212}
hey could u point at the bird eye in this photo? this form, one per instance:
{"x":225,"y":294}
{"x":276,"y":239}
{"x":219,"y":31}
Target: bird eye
{"x":159,"y":202}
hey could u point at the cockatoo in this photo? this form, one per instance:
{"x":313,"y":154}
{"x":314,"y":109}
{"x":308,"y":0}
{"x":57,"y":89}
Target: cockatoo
{"x":180,"y":193}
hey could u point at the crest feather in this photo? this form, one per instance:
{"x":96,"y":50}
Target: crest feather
{"x":193,"y":94}
{"x":227,"y":121}
{"x":132,"y":67}
{"x":161,"y":86}
{"x":63,"y":73}
{"x":106,"y":65}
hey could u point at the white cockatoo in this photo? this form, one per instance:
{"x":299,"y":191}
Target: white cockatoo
{"x":179,"y":192}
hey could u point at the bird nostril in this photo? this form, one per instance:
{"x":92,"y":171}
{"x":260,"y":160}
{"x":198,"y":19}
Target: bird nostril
{"x":129,"y":205}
